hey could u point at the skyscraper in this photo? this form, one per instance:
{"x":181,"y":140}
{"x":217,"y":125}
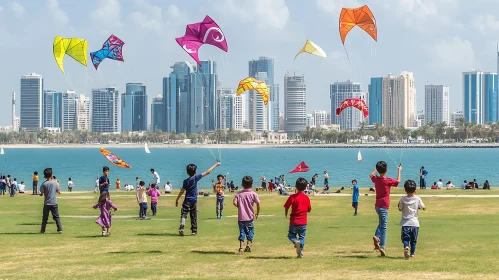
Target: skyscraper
{"x":83,"y":113}
{"x":105,"y":109}
{"x":52,"y":109}
{"x":176,"y":91}
{"x":69,"y":121}
{"x":13,"y":111}
{"x":134,"y":108}
{"x":437,"y":104}
{"x":202,"y":100}
{"x":375,"y":101}
{"x":31,"y":102}
{"x":399,"y":100}
{"x":295,"y":103}
{"x":480,"y":97}
{"x":230,"y":111}
{"x":266,"y":65}
{"x":258,"y":117}
{"x":351,"y":117}
{"x":157,"y":113}
{"x":320,"y":118}
{"x":455,"y":116}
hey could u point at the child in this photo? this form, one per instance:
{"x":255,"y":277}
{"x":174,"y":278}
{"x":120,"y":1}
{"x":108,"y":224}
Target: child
{"x":168,"y":188}
{"x":271,"y":185}
{"x":244,"y":201}
{"x":142,"y":200}
{"x":58,"y":184}
{"x":382,"y":185}
{"x":355,"y":196}
{"x":190,"y":187}
{"x":104,"y":181}
{"x":409,"y":206}
{"x":104,"y":220}
{"x":22,"y":187}
{"x":70,"y":185}
{"x":434,"y":186}
{"x":154,"y":193}
{"x":96,"y":185}
{"x":219,"y":188}
{"x":48,"y":189}
{"x":12,"y":189}
{"x":35,"y":182}
{"x":118,"y":184}
{"x":300,"y":207}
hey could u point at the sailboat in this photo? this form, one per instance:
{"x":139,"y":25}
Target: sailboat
{"x":1,"y":151}
{"x":359,"y":157}
{"x":146,"y":148}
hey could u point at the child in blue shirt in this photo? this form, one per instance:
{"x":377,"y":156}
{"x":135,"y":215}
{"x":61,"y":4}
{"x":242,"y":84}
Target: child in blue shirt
{"x":355,"y":196}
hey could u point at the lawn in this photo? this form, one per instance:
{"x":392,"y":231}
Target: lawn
{"x":458,"y":239}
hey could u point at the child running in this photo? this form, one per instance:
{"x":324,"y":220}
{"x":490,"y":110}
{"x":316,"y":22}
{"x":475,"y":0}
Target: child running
{"x":190,"y":187}
{"x":219,"y":188}
{"x":355,"y":196}
{"x":104,"y":220}
{"x":382,"y":185}
{"x":244,"y":201}
{"x":409,"y":206}
{"x":142,"y":200}
{"x":154,"y":193}
{"x":300,"y":207}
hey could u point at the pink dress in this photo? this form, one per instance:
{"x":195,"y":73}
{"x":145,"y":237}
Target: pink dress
{"x":104,"y":219}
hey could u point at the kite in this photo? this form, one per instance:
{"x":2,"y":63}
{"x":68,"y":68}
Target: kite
{"x":200,"y":33}
{"x":251,"y":83}
{"x":312,"y":48}
{"x":112,"y":49}
{"x":116,"y":161}
{"x":353,"y":102}
{"x":302,"y":167}
{"x":362,"y":17}
{"x":74,"y":47}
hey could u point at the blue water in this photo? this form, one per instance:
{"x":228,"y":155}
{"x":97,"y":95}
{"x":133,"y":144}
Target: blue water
{"x":84,"y":165}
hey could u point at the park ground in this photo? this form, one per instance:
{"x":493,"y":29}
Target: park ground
{"x":459,"y":237}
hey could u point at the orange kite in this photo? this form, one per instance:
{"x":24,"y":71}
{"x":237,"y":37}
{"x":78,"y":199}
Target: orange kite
{"x":251,"y":83}
{"x":362,"y":17}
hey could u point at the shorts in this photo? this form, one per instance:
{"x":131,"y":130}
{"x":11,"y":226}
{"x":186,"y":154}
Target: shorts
{"x":246,"y":230}
{"x":355,"y":204}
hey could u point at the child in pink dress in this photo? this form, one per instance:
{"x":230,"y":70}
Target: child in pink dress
{"x":154,"y":193}
{"x":104,"y":219}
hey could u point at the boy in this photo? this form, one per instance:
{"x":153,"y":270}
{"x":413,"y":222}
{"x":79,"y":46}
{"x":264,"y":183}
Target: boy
{"x":244,"y":201}
{"x":104,"y":181}
{"x":49,"y":190}
{"x":382,"y":185}
{"x":70,"y":185}
{"x":142,"y":200}
{"x":190,"y":187}
{"x":355,"y":196}
{"x":300,"y":207}
{"x":154,"y":193}
{"x":35,"y":182}
{"x":21,"y":187}
{"x":96,"y":185}
{"x":409,"y":206}
{"x":219,"y":188}
{"x":168,"y":188}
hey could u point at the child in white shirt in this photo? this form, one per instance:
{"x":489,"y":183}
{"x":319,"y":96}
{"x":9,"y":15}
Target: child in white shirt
{"x":409,"y":205}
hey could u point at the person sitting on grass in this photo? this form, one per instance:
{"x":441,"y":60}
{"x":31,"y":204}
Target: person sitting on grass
{"x":449,"y":185}
{"x":434,"y":186}
{"x":486,"y":185}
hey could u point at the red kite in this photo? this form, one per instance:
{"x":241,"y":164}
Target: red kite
{"x":302,"y":167}
{"x":353,"y":102}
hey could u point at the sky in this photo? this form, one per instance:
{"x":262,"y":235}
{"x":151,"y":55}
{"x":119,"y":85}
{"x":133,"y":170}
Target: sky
{"x":437,"y":40}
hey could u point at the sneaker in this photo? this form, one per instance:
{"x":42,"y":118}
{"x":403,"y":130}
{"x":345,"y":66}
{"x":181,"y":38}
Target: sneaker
{"x":104,"y":233}
{"x":300,"y":256}
{"x":297,"y":247}
{"x":59,"y":232}
{"x":376,"y":243}
{"x":406,"y":253}
{"x":355,"y":214}
{"x":247,"y":249}
{"x":240,"y":250}
{"x":180,"y":233}
{"x":194,"y":233}
{"x":413,"y":256}
{"x":42,"y":232}
{"x":218,"y":217}
{"x":382,"y":252}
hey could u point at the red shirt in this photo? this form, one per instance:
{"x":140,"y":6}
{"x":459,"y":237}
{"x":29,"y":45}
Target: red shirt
{"x":300,"y":206}
{"x":382,"y":186}
{"x":271,"y":185}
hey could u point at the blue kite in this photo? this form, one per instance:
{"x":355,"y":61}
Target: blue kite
{"x":112,"y":49}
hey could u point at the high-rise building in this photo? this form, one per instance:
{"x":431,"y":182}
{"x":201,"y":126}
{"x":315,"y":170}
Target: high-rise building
{"x":375,"y":100}
{"x":157,"y":113}
{"x":202,"y":100}
{"x":320,"y":118}
{"x":31,"y":102}
{"x":105,"y":105}
{"x":351,"y":117}
{"x":480,"y":97}
{"x":266,"y":65}
{"x":437,"y":104}
{"x":83,"y":113}
{"x":258,"y":117}
{"x":176,"y":91}
{"x":134,"y":108}
{"x":310,"y":121}
{"x":295,"y":103}
{"x":455,"y":116}
{"x":52,"y":109}
{"x":69,"y":120}
{"x":230,"y":110}
{"x":399,"y":100}
{"x":14,"y":112}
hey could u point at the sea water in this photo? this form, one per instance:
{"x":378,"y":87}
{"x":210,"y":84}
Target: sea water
{"x":84,"y":165}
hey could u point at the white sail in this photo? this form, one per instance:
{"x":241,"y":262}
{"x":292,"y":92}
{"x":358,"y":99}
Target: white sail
{"x":2,"y":152}
{"x":359,"y":157}
{"x":146,"y":148}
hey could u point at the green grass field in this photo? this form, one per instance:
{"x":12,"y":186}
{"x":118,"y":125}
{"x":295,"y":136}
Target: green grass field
{"x":458,"y":239}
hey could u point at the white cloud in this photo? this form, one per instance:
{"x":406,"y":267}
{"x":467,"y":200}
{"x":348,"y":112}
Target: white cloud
{"x":151,"y":16}
{"x":418,"y":14}
{"x":17,"y":9}
{"x":267,"y":14}
{"x":455,"y":54}
{"x":486,"y":23}
{"x":108,"y":13}
{"x":334,"y":6}
{"x":57,"y":13}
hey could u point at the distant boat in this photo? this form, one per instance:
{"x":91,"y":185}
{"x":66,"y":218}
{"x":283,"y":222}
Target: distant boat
{"x":1,"y":151}
{"x":359,"y":157}
{"x":146,"y":148}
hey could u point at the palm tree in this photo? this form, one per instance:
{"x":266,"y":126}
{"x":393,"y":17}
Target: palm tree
{"x":361,"y":130}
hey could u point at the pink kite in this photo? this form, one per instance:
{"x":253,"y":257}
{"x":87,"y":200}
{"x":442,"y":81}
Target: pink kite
{"x":302,"y":167}
{"x":198,"y":34}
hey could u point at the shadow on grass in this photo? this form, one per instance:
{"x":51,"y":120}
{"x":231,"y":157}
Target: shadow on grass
{"x":271,"y":257}
{"x":16,"y":233}
{"x":33,"y":224}
{"x":89,"y":236}
{"x":157,"y":234}
{"x":354,"y":257}
{"x":214,"y":252}
{"x":136,"y":252}
{"x":362,"y":252}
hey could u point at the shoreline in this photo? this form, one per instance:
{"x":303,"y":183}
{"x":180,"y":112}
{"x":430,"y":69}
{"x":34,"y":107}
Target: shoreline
{"x":253,"y":146}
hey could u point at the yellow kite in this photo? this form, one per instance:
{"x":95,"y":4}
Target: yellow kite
{"x":312,"y":48}
{"x":251,"y":83}
{"x":74,"y":47}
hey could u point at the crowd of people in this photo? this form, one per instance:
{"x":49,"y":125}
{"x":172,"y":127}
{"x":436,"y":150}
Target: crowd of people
{"x":437,"y":185}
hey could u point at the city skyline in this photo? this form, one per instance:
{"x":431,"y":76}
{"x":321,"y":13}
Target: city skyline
{"x":460,"y":39}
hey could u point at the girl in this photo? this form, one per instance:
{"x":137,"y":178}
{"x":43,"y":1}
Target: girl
{"x":118,"y":184}
{"x":104,"y":219}
{"x":154,"y":193}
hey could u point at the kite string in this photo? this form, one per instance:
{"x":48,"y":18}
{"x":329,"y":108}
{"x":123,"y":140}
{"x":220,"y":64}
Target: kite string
{"x":390,"y":156}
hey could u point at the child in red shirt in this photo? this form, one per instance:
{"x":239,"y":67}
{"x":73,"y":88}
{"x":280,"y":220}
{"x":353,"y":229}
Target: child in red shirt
{"x":382,"y":185}
{"x":300,"y":207}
